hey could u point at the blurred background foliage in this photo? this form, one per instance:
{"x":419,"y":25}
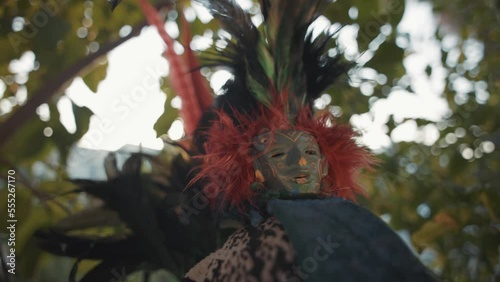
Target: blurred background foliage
{"x":444,"y":196}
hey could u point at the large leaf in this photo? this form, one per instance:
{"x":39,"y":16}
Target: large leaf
{"x":28,"y":143}
{"x":61,"y":137}
{"x":94,"y":77}
{"x":387,"y":60}
{"x":169,"y":115}
{"x":440,"y":225}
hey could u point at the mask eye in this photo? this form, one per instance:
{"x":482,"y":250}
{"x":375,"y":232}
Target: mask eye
{"x":311,"y":152}
{"x":277,"y":155}
{"x":263,"y":140}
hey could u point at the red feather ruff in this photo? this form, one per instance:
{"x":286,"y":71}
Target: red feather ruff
{"x":227,"y":166}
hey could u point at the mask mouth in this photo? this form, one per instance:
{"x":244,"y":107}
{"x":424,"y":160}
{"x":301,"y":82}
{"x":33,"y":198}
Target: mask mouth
{"x":301,"y":178}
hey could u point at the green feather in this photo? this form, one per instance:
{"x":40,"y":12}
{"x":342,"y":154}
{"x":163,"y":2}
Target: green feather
{"x":284,"y":32}
{"x":272,"y":56}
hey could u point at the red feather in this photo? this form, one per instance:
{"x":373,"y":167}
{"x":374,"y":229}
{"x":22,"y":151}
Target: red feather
{"x":227,"y":165}
{"x":186,"y":82}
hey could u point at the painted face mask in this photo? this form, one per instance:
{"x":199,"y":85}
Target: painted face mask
{"x":289,"y":163}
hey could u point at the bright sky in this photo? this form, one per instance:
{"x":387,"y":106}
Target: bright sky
{"x":128,"y":101}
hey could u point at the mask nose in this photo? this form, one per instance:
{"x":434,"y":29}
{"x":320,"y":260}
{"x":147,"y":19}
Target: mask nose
{"x":293,"y":156}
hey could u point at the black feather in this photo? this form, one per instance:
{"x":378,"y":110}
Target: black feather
{"x":88,"y":247}
{"x":300,"y":59}
{"x":322,"y":70}
{"x":113,"y":4}
{"x":240,"y":55}
{"x":264,"y":7}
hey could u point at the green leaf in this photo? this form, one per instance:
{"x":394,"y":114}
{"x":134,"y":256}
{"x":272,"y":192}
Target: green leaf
{"x":94,"y":77}
{"x":61,"y":137}
{"x":27,"y":143}
{"x":440,"y":225}
{"x":82,"y":119}
{"x":388,"y":60}
{"x":169,"y":115}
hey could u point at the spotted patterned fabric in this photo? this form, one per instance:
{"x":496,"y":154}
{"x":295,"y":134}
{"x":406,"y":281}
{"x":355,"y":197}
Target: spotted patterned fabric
{"x":262,"y":253}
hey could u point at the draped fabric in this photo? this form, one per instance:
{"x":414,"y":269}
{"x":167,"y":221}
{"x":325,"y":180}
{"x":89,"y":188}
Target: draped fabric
{"x":314,"y":240}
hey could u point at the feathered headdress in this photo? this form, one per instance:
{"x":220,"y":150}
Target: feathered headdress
{"x":279,"y":57}
{"x":279,"y":69}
